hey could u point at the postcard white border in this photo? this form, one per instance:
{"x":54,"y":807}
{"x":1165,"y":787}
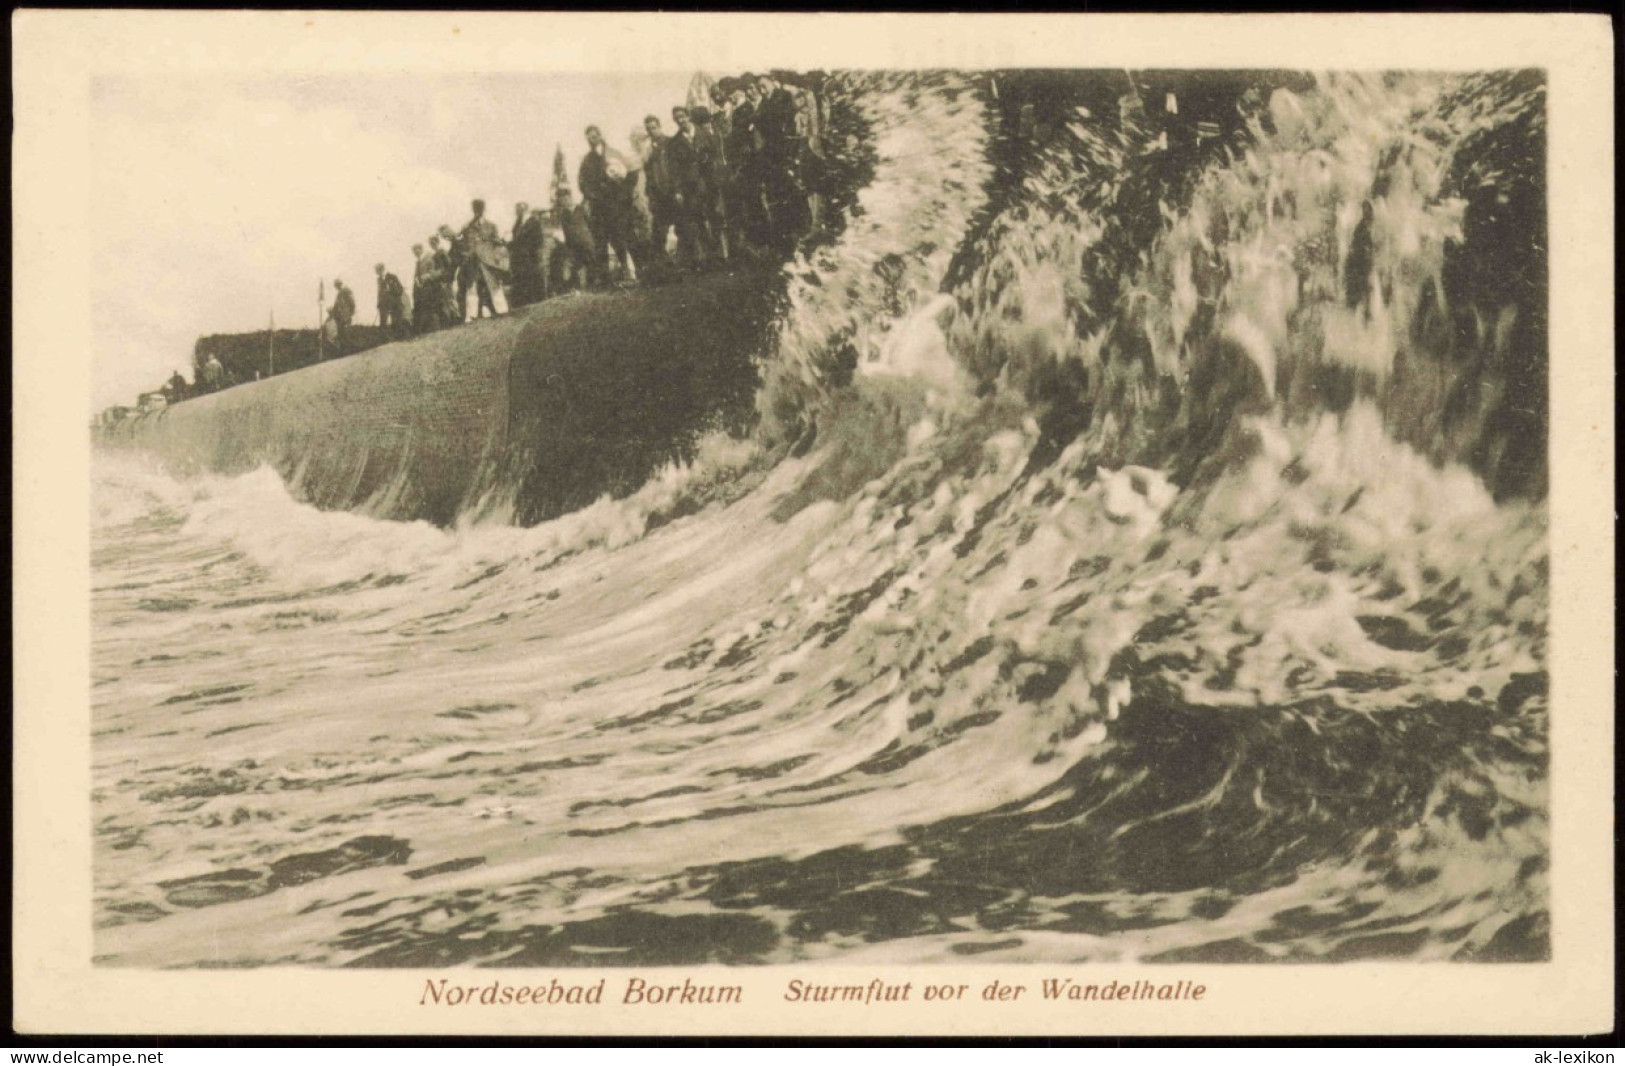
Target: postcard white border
{"x":54,"y":55}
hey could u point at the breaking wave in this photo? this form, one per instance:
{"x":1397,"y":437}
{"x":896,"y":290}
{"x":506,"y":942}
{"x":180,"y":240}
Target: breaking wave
{"x":1141,"y":553}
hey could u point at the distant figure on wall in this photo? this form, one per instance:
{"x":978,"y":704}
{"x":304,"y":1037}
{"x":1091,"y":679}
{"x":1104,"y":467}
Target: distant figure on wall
{"x":212,"y":377}
{"x":393,"y":313}
{"x":175,"y":389}
{"x":485,"y":262}
{"x":336,"y":331}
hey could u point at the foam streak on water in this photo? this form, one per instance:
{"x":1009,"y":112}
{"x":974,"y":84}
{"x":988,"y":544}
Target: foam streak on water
{"x":1143,"y":612}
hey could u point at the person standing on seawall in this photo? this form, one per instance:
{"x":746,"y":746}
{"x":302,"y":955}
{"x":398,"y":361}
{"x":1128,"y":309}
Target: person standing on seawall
{"x":212,"y":376}
{"x":425,"y":292}
{"x":744,"y":163}
{"x":524,"y":258}
{"x":658,"y":186}
{"x":776,"y":126}
{"x":392,"y":318}
{"x":340,"y":317}
{"x":712,"y":208}
{"x":485,"y":262}
{"x":602,"y":178}
{"x":685,"y":171}
{"x":448,"y":263}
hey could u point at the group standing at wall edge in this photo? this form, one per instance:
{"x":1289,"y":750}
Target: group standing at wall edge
{"x":737,"y":176}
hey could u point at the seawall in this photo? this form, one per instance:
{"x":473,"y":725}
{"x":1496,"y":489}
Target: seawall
{"x":521,"y":418}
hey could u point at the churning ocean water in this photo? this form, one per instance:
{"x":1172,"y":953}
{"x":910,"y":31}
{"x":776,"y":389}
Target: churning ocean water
{"x":1140,"y":556}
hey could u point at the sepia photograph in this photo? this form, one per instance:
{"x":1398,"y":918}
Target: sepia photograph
{"x":655,"y":522}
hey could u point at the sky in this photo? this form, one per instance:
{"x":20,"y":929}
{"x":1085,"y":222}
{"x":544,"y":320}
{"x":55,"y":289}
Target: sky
{"x":222,"y":202}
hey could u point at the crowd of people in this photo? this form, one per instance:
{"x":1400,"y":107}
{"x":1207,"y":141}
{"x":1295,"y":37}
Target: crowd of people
{"x":738,"y":175}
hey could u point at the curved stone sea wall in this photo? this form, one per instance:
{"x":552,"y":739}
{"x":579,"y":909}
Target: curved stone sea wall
{"x":523,"y":417}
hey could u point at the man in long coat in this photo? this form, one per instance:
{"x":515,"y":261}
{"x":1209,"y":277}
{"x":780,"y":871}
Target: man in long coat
{"x":340,"y":316}
{"x":485,"y":262}
{"x":527,"y":258}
